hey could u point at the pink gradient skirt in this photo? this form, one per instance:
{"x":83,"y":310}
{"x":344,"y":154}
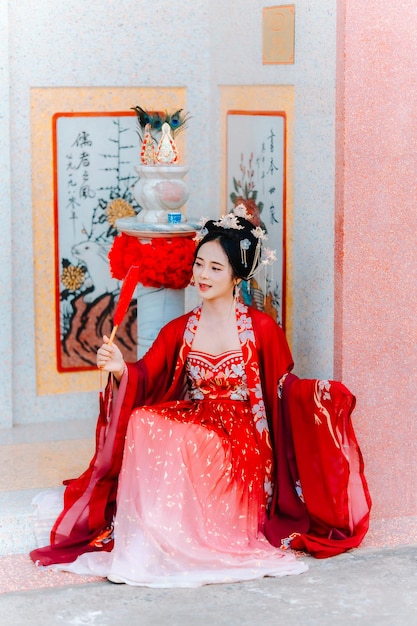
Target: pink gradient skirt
{"x":190,"y":502}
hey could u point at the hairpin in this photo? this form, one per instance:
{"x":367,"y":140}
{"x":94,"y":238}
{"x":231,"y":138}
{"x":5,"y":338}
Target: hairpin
{"x":259,"y":233}
{"x":245,"y":244}
{"x":229,"y":221}
{"x":268,"y":256}
{"x":241,"y":211}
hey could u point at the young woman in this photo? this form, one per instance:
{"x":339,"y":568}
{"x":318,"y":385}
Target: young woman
{"x":196,"y":477}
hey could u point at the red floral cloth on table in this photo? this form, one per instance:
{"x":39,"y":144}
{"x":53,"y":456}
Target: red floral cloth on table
{"x":162,"y":262}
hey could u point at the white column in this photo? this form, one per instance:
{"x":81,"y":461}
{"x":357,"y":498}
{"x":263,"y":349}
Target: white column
{"x":6,"y":294}
{"x":156,"y":307}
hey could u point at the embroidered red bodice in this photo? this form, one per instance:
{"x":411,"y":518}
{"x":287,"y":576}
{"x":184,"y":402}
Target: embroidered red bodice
{"x":216,"y":377}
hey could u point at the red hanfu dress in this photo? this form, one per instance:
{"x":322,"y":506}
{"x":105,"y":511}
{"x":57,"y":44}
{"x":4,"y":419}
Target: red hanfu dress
{"x":201,"y":456}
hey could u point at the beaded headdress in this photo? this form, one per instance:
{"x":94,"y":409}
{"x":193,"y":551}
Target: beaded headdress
{"x":231,"y":226}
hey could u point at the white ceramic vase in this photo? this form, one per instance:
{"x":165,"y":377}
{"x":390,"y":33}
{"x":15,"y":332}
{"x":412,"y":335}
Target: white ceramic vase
{"x":160,"y":190}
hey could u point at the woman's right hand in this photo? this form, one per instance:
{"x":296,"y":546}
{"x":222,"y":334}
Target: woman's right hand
{"x":110,"y":359}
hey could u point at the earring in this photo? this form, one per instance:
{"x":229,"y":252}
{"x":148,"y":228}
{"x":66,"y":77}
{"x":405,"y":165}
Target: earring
{"x":236,"y":291}
{"x":192,"y":281}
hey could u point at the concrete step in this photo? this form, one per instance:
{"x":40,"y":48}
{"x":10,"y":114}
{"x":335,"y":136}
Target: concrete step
{"x":16,"y":525}
{"x":36,"y":457}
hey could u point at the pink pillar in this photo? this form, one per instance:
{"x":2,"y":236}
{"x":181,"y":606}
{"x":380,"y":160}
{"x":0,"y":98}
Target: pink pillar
{"x":376,"y":251}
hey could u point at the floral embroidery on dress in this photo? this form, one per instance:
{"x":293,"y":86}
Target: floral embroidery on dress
{"x":189,"y":332}
{"x":321,"y":395}
{"x":281,"y":385}
{"x":244,"y":323}
{"x":268,"y":488}
{"x":246,"y":369}
{"x":247,"y":340}
{"x":104,"y":537}
{"x":259,"y":409}
{"x":323,"y":387}
{"x":286,"y":542}
{"x":299,"y":490}
{"x":191,"y":326}
{"x":216,"y":377}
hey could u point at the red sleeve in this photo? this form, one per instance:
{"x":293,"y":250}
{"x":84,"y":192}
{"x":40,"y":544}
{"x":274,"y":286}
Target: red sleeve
{"x":161,"y":361}
{"x":90,"y":499}
{"x":287,"y":513}
{"x":330,"y":467}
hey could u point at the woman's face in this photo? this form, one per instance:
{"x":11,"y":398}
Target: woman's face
{"x":213,"y":274}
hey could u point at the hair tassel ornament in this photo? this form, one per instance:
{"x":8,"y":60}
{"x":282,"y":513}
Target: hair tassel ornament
{"x":245,"y":244}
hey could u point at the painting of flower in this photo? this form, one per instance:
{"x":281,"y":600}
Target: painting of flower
{"x":94,"y":159}
{"x":256,"y":179}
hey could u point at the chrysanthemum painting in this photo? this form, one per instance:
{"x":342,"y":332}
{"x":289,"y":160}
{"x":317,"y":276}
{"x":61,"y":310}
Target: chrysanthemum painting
{"x":95,"y":158}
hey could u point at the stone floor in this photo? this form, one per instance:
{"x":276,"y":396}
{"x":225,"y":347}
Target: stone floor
{"x":368,"y":587}
{"x":376,"y":584}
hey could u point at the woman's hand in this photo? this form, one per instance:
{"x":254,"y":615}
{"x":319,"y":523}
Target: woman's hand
{"x":110,"y":359}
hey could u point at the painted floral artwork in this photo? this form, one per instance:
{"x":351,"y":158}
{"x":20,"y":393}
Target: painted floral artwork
{"x":256,"y":178}
{"x":95,"y":157}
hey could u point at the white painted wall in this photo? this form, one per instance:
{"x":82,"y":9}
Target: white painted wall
{"x":6,"y":338}
{"x":199,"y":44}
{"x":236,"y":56}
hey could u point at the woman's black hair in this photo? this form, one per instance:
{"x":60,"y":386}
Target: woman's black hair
{"x":240,"y":245}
